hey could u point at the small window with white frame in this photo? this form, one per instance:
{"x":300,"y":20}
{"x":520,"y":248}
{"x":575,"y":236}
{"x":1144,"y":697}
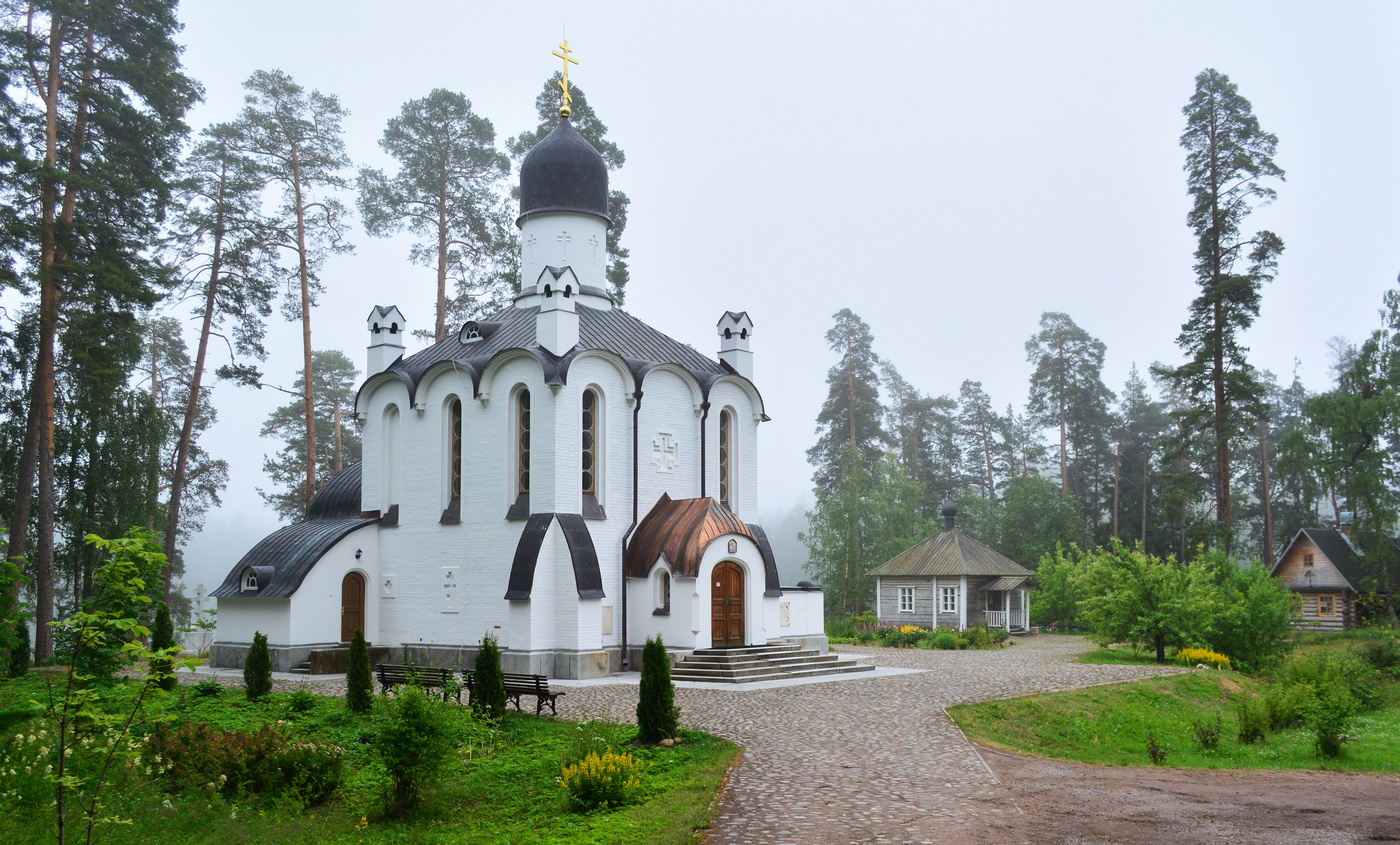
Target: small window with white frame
{"x":250,"y":580}
{"x":906,"y":599}
{"x":947,"y":599}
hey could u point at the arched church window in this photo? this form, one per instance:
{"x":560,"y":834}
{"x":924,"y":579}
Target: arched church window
{"x":522,"y":441}
{"x":663,"y":593}
{"x":250,"y":580}
{"x":389,"y":472}
{"x":455,"y":448}
{"x":726,"y":434}
{"x":590,"y":442}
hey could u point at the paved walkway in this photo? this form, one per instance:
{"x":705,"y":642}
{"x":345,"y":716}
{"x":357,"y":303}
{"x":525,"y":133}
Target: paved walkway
{"x":862,"y":759}
{"x":868,"y":760}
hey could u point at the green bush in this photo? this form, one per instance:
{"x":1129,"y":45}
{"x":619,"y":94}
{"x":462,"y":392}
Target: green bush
{"x":1383,"y":653}
{"x":1322,"y":669}
{"x":359,"y":683}
{"x":207,"y":689}
{"x":1207,"y":734}
{"x":301,"y":701}
{"x":946,"y":641}
{"x":602,"y":780}
{"x":1329,"y":716}
{"x":1000,"y":635}
{"x":257,"y":668}
{"x":19,"y":652}
{"x":162,"y":638}
{"x":488,"y":685}
{"x":1252,"y":718}
{"x":587,"y":738}
{"x":963,"y":643}
{"x":656,"y":701}
{"x":1288,"y":703}
{"x":412,"y":735}
{"x":264,"y":763}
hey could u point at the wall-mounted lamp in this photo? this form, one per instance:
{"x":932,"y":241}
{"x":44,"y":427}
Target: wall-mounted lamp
{"x":360,"y":552}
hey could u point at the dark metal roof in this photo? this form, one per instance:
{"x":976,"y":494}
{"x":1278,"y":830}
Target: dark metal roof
{"x":952,"y":553}
{"x":1338,"y":550}
{"x":680,"y":530}
{"x":290,"y":552}
{"x":339,"y":497}
{"x":564,"y":173}
{"x":606,"y":329}
{"x":588,"y":579}
{"x":770,"y":564}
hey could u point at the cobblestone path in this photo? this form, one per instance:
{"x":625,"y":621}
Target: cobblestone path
{"x":870,"y":760}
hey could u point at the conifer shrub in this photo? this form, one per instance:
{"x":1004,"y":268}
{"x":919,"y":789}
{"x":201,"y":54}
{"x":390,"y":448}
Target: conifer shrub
{"x":359,"y":684}
{"x":19,"y":652}
{"x":163,"y":637}
{"x":488,"y":684}
{"x":657,"y":715}
{"x":257,"y":668}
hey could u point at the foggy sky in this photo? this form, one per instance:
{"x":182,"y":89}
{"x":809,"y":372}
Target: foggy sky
{"x":948,"y":171}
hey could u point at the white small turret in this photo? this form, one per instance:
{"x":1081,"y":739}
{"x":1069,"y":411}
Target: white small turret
{"x":386,"y":328}
{"x":556,"y":326}
{"x":734,"y":331}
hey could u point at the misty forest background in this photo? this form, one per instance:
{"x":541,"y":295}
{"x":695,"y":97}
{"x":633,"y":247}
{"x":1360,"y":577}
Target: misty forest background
{"x":150,"y":258}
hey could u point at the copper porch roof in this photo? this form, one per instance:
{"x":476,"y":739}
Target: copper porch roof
{"x":680,"y":530}
{"x":952,"y":554}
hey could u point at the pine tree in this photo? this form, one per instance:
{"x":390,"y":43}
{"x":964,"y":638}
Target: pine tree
{"x":488,"y":684}
{"x":851,"y":416}
{"x":19,"y":650}
{"x":656,"y":702}
{"x":450,"y":174}
{"x":1228,"y":160}
{"x":338,"y":444}
{"x":257,"y":668}
{"x":163,"y":637}
{"x":359,"y":683}
{"x":980,"y":427}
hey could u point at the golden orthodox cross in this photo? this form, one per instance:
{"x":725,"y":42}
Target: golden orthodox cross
{"x":564,"y":83}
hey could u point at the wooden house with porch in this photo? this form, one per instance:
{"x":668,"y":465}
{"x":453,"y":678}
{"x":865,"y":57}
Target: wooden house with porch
{"x":952,"y":581}
{"x":1323,"y":566}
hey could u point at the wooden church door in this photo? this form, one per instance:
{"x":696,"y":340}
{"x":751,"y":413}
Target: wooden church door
{"x":352,"y":605}
{"x":727,"y":606}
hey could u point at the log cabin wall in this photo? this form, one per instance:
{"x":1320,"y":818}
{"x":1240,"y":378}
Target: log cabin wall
{"x":1314,"y":616}
{"x":1326,"y":582}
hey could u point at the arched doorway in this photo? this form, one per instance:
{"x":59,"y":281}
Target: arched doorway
{"x":727,"y":606}
{"x":352,"y":605}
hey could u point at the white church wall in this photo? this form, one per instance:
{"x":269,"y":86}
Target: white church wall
{"x":239,"y":619}
{"x":577,"y":241}
{"x":669,"y":438}
{"x":727,"y":393}
{"x":677,"y":628}
{"x":316,"y":605}
{"x":374,"y":401}
{"x":805,"y":614}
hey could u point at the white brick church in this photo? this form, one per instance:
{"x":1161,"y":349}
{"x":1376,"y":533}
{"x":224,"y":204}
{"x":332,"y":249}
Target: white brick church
{"x":560,"y":475}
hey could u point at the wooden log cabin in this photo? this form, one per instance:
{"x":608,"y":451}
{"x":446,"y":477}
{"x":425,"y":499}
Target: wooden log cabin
{"x":1323,"y":566}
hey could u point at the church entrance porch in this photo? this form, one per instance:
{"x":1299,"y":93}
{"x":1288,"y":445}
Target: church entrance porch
{"x":352,"y":605}
{"x":727,"y":606}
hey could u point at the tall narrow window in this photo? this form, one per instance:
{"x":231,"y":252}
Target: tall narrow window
{"x":455,"y":447}
{"x":590,"y":443}
{"x":725,"y":426}
{"x":522,"y":435}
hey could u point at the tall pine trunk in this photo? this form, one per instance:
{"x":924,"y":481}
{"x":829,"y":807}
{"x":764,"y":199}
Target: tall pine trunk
{"x":1144,"y":497}
{"x":308,"y":394}
{"x":1268,"y":496}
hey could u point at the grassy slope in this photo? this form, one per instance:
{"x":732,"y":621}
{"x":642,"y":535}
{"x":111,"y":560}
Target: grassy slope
{"x":1109,"y":725}
{"x":501,"y":789}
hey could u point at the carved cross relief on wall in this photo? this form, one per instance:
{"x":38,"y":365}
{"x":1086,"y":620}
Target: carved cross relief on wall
{"x":665,"y":451}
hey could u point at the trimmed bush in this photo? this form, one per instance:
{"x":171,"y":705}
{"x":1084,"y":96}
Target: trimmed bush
{"x":488,"y":685}
{"x":602,"y":780}
{"x":359,"y":683}
{"x":945,"y":641}
{"x":19,"y":652}
{"x":411,"y":737}
{"x":257,"y":668}
{"x":656,"y":702}
{"x":163,"y":637}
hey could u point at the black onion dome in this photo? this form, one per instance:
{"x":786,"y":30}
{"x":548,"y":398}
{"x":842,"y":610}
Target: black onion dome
{"x":564,"y":173}
{"x":950,"y":508}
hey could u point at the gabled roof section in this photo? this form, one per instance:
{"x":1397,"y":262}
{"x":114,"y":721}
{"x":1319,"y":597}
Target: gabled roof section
{"x":1337,"y":548}
{"x":680,"y":530}
{"x":612,"y":330}
{"x":952,"y":554}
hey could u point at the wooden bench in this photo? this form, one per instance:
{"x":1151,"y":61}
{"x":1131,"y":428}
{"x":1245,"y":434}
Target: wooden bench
{"x":428,"y":677}
{"x":517,"y":685}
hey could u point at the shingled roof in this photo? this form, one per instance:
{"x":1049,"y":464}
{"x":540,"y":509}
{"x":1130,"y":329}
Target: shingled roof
{"x":952,"y":554}
{"x":283,"y":558}
{"x":609,"y":329}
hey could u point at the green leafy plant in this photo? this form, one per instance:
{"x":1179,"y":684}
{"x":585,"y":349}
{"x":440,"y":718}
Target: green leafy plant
{"x":207,"y":689}
{"x":488,"y":684}
{"x":163,"y":638}
{"x":963,"y":643}
{"x":411,"y":737}
{"x":586,"y":738}
{"x":301,"y":701}
{"x":1329,"y":715}
{"x":1155,"y":751}
{"x":1251,"y":718}
{"x":1207,"y":733}
{"x":359,"y":683}
{"x":257,"y":668}
{"x":19,"y":649}
{"x":1288,"y":703}
{"x":946,"y":641}
{"x":265,"y":762}
{"x":656,"y":702}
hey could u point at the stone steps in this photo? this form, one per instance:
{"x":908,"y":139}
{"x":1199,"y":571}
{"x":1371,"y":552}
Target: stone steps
{"x":769,"y":662}
{"x":302,"y":668}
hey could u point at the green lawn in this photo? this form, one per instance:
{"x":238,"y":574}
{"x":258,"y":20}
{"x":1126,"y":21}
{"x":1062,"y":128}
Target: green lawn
{"x":1109,"y":725}
{"x":500,"y":788}
{"x":1122,"y":654}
